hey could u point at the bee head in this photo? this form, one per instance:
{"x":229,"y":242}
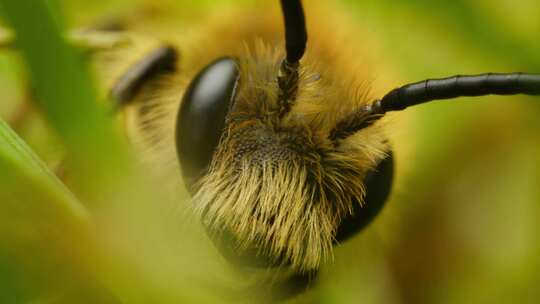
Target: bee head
{"x":254,"y":138}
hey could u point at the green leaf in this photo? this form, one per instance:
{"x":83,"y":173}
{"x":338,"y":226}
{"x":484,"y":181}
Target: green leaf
{"x":65,"y":94}
{"x":26,"y":184}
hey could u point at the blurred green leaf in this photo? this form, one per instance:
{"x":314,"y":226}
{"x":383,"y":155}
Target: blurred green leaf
{"x":39,"y":219}
{"x":37,"y":182}
{"x":64,"y":92}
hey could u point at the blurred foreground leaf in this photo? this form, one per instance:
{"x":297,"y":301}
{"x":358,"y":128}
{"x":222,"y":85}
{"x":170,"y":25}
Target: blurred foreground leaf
{"x":26,"y":179}
{"x":65,"y":94}
{"x":39,"y":219}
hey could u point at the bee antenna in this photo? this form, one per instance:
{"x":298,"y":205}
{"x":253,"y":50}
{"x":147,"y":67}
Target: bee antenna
{"x":295,"y":30}
{"x":437,"y":89}
{"x":295,"y":46}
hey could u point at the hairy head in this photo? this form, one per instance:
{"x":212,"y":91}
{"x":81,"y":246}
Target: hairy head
{"x":278,"y":183}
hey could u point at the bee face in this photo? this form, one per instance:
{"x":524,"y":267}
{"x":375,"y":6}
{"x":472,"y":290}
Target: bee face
{"x":255,"y":140}
{"x":277,"y":184}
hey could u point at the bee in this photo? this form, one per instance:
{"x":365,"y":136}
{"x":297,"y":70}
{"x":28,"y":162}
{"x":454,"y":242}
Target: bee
{"x":278,"y":138}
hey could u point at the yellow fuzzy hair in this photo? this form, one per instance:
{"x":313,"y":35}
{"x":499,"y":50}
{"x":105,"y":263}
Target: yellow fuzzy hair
{"x":277,"y":185}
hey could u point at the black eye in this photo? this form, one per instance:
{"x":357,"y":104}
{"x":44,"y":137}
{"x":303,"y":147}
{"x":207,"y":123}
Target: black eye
{"x":378,"y":185}
{"x":201,"y":117}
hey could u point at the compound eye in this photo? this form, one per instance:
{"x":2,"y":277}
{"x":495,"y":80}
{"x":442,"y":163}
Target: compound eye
{"x":201,"y":118}
{"x":378,"y":186}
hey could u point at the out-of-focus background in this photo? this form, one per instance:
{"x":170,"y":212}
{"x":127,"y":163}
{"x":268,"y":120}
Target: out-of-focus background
{"x":463,"y":222}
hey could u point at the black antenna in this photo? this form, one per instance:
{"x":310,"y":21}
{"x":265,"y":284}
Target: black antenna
{"x":295,"y":46}
{"x":437,"y":89}
{"x":295,"y":30}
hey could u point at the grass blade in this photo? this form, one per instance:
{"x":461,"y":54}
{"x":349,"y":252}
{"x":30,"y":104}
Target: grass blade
{"x":66,"y":95}
{"x":34,"y":181}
